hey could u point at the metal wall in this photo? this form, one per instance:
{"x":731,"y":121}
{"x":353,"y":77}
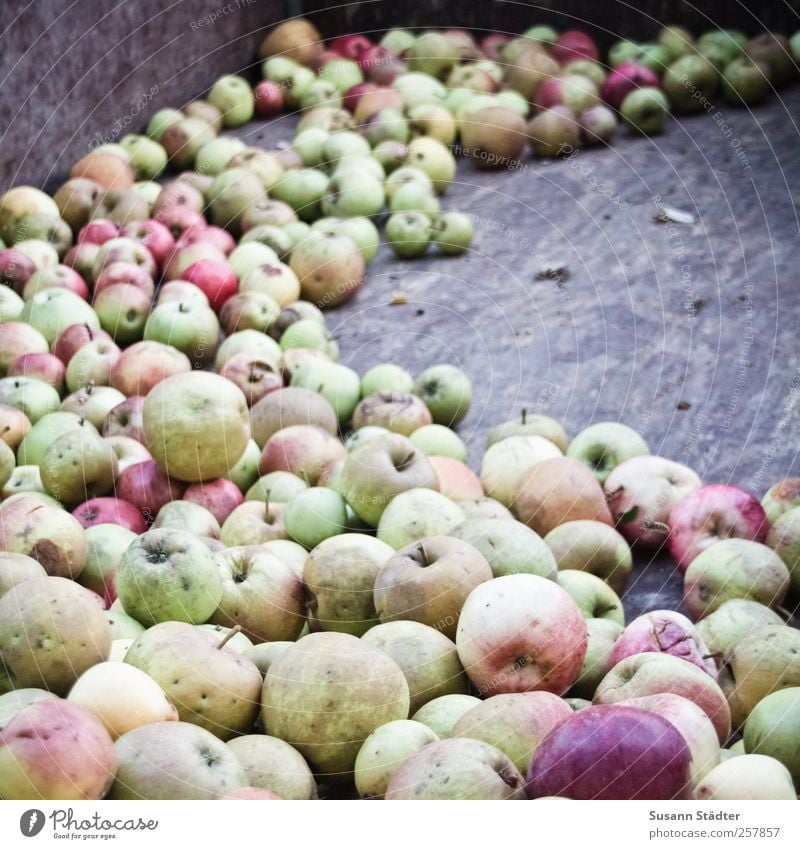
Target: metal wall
{"x":76,"y":71}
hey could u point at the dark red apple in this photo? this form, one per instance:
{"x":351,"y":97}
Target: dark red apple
{"x":74,"y":337}
{"x":97,"y":232}
{"x":110,"y":511}
{"x":574,"y":44}
{"x":492,"y":44}
{"x":154,"y":235}
{"x":215,"y":278}
{"x":355,"y":93}
{"x":220,"y":497}
{"x":712,"y":513}
{"x":624,"y":79}
{"x":148,"y":487}
{"x":611,"y":752}
{"x":268,"y":98}
{"x":350,"y":46}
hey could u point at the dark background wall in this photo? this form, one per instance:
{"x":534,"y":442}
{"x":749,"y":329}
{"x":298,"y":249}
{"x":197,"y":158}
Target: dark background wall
{"x":75,"y":71}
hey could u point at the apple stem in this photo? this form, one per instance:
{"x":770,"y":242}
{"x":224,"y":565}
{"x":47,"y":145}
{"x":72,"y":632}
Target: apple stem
{"x":661,"y":527}
{"x":617,"y":491}
{"x":88,"y":330}
{"x":89,"y":387}
{"x":229,"y":636}
{"x":786,"y":614}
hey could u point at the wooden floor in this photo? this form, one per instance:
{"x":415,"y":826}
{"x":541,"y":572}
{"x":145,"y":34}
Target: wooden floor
{"x":576,"y":302}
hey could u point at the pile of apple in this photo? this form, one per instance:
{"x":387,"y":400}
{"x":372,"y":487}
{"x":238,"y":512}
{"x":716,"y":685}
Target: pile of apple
{"x":232,"y":567}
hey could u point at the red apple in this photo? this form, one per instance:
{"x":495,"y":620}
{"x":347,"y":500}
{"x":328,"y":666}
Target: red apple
{"x":126,"y":419}
{"x":178,"y":219}
{"x":664,"y":631}
{"x":82,"y":257}
{"x":269,"y":99}
{"x":220,"y":497}
{"x":124,"y":272}
{"x":355,"y":93}
{"x":46,"y":367}
{"x":624,"y":79}
{"x":712,"y":513}
{"x":492,"y":44}
{"x":456,"y":480}
{"x":520,"y":633}
{"x":304,"y":450}
{"x":154,"y":235}
{"x":15,"y":269}
{"x":148,"y":487}
{"x":350,"y":46}
{"x":97,"y":232}
{"x":611,"y":752}
{"x":216,"y":279}
{"x":110,"y":511}
{"x":56,"y":277}
{"x":145,"y":364}
{"x":574,"y":44}
{"x":74,"y":337}
{"x":208,"y":234}
{"x":253,"y":375}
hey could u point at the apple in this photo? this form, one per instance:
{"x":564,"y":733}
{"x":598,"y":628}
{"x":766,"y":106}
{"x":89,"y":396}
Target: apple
{"x":428,"y":658}
{"x":645,"y":110}
{"x":70,"y":628}
{"x":26,"y":481}
{"x":658,"y":672}
{"x":12,"y":702}
{"x":188,"y":516}
{"x":125,"y":419}
{"x":93,"y":403}
{"x":330,"y":268}
{"x":272,"y":765}
{"x":575,"y":91}
{"x":409,"y":233}
{"x":439,"y":441}
{"x":302,"y":449}
{"x":456,"y":480}
{"x":174,"y":760}
{"x":709,"y":514}
{"x":57,"y":277}
{"x":505,"y":649}
{"x":416,"y":514}
{"x":148,"y":487}
{"x":220,"y":497}
{"x":14,"y":426}
{"x":723,"y":629}
{"x":398,"y":412}
{"x":508,"y":546}
{"x":506,"y":461}
{"x":15,"y":268}
{"x":611,"y":752}
{"x":774,"y":50}
{"x":458,"y":768}
{"x":558,"y":490}
{"x":593,"y":547}
{"x":129,"y":452}
{"x":603,"y":633}
{"x":78,"y":466}
{"x":595,"y":599}
{"x":107,"y":543}
{"x":122,"y":697}
{"x":210,"y":684}
{"x":783,"y":538}
{"x":368,"y":690}
{"x":768,"y":661}
{"x":603,"y":446}
{"x":110,"y":510}
{"x":625,"y":78}
{"x":530,"y":425}
{"x":206,"y":430}
{"x":247,"y":342}
{"x":276,"y":486}
{"x":253,"y":523}
{"x":553,"y":132}
{"x":780,"y":498}
{"x":641,"y":493}
{"x":446,"y":391}
{"x":145,"y":364}
{"x":261,"y":594}
{"x":16,"y":339}
{"x":54,"y":749}
{"x":46,"y":533}
{"x":291,"y":406}
{"x":515,"y":723}
{"x":384,"y":751}
{"x":314,"y":515}
{"x":598,"y":125}
{"x":377,"y":471}
{"x":745,"y":81}
{"x":30,"y":396}
{"x":168,"y":574}
{"x":91,"y":364}
{"x":747,"y":777}
{"x":245,"y":472}
{"x":772,"y":726}
{"x":664,"y":631}
{"x":339,"y":576}
{"x":15,"y":568}
{"x":45,"y":367}
{"x":734,"y":568}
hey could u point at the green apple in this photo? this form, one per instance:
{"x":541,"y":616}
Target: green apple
{"x":387,"y":376}
{"x":509,"y":547}
{"x":603,"y":446}
{"x":773,"y":728}
{"x":645,"y":110}
{"x":161,"y":120}
{"x":595,"y":599}
{"x":303,"y":189}
{"x":232,"y":95}
{"x":417,"y":514}
{"x":168,"y":575}
{"x":389,"y":746}
{"x":603,"y":633}
{"x":415,"y":197}
{"x":732,"y":621}
{"x":435,"y":159}
{"x":408,"y":233}
{"x":339,"y":577}
{"x":196,"y":425}
{"x":276,"y":486}
{"x":147,"y":157}
{"x":188,"y":516}
{"x":360,"y":229}
{"x":78,"y":466}
{"x":214,"y":156}
{"x":452,"y":232}
{"x":593,"y":547}
{"x":436,"y":440}
{"x":271,"y":764}
{"x":783,"y":538}
{"x":190,"y":327}
{"x":338,"y":384}
{"x":314,"y":515}
{"x":442,"y":714}
{"x":446,"y":391}
{"x":53,"y":310}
